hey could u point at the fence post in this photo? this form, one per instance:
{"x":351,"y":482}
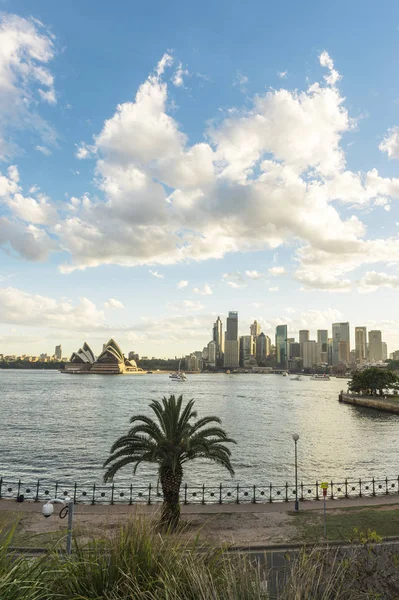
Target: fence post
{"x":149,"y":494}
{"x":286,"y":491}
{"x":1,"y":484}
{"x":346,"y":488}
{"x":220,"y":494}
{"x":398,"y":487}
{"x":301,"y":491}
{"x":74,"y":493}
{"x":317,"y":490}
{"x":131,"y":494}
{"x":374,"y":486}
{"x":254,"y":496}
{"x":270,"y":492}
{"x":93,"y":500}
{"x":386,"y":485}
{"x":19,"y":487}
{"x":360,"y":488}
{"x":37,"y":491}
{"x":185,"y":493}
{"x":112,"y":493}
{"x":203,"y":493}
{"x":237,"y":495}
{"x":332,"y":490}
{"x":56,"y":489}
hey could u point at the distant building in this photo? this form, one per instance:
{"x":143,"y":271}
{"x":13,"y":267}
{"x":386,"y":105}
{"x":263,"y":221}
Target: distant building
{"x":247,"y":350}
{"x":262,"y":348}
{"x":384,"y":351}
{"x":340,"y":351}
{"x":294,"y":350}
{"x":375,"y":345}
{"x":231,"y":343}
{"x":58,"y":352}
{"x":310,"y":354}
{"x":281,"y":347}
{"x":254,"y":329}
{"x":212,"y":353}
{"x":322,"y":346}
{"x":361,"y":344}
{"x":217,"y":336}
{"x":110,"y":362}
{"x":303,"y":337}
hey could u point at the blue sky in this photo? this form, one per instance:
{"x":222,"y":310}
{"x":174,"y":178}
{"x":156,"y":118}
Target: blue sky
{"x":254,"y":155}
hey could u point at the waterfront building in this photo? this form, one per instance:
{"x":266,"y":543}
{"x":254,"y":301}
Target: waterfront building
{"x":394,"y":355}
{"x":340,"y":333}
{"x":375,"y":345}
{"x":231,"y":343}
{"x":111,"y":361}
{"x":281,"y":347}
{"x":254,"y":329}
{"x":361,"y":344}
{"x":322,"y":345}
{"x":247,"y":350}
{"x":217,"y":336}
{"x":262,"y":348}
{"x":212,"y":353}
{"x":294,"y":350}
{"x":303,"y":337}
{"x":310,"y":354}
{"x":58,"y":352}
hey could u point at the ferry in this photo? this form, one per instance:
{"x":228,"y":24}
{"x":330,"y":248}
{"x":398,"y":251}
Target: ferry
{"x":320,"y":377}
{"x":178,"y":376}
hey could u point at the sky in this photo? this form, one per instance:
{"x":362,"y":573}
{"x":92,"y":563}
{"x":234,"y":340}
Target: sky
{"x":164,"y":163}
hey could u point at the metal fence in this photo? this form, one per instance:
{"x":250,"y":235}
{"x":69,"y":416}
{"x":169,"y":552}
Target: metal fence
{"x":125,"y":493}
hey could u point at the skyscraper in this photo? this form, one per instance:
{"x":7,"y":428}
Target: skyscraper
{"x":340,"y":333}
{"x":361,"y":343}
{"x":254,"y":329}
{"x":281,"y":346}
{"x":322,"y":345}
{"x":212,"y":353}
{"x":247,"y":349}
{"x":58,"y":352}
{"x":231,"y":343}
{"x":303,"y":337}
{"x":310,"y":351}
{"x":375,"y":345}
{"x":384,"y":351}
{"x":262,"y":348}
{"x":218,"y":339}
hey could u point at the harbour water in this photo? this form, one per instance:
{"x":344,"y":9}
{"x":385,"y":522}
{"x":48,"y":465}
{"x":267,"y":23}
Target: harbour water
{"x":61,"y":427}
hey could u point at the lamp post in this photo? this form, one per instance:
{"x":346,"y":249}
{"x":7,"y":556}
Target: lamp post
{"x":48,"y":510}
{"x":295,"y":437}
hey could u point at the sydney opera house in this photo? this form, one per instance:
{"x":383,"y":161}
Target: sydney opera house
{"x":111,"y":361}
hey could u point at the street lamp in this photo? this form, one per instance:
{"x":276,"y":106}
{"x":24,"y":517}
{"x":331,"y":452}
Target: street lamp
{"x":295,"y":437}
{"x":48,"y":510}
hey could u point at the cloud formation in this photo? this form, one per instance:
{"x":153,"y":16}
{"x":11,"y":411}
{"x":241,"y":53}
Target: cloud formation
{"x":113,"y":303}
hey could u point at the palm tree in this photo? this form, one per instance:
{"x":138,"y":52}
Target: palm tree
{"x":170,"y":440}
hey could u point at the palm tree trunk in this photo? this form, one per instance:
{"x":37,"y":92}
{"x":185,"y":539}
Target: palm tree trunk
{"x":170,"y":482}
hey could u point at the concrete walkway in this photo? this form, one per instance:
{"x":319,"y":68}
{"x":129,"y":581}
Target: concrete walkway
{"x":199,"y":509}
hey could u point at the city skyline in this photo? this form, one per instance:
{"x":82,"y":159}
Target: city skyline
{"x":212,"y":171}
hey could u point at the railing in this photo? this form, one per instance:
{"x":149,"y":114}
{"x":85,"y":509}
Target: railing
{"x":125,"y":493}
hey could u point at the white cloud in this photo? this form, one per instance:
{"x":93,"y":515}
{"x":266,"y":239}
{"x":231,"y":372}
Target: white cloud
{"x":253,"y":274}
{"x":234,"y":280}
{"x":326,"y":61}
{"x":273,"y":289}
{"x":177,"y":78}
{"x":156,"y":274}
{"x":390,"y":143}
{"x":241,"y":81}
{"x":84,"y":151}
{"x":182,"y":284}
{"x":113,"y":303}
{"x":22,"y":308}
{"x":43,"y":150}
{"x":283,"y":74}
{"x":373,"y":280}
{"x":205,"y":291}
{"x":275,"y":271}
{"x":25,"y":47}
{"x":192,"y":306}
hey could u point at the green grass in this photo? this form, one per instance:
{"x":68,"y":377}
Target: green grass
{"x":341,"y":523}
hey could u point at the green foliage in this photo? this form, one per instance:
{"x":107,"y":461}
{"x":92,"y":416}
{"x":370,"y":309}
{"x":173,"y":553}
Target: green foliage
{"x":374,"y":381}
{"x":170,"y":440}
{"x":26,"y":364}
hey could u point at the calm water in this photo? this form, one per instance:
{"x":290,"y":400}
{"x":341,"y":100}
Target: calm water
{"x":61,"y":427}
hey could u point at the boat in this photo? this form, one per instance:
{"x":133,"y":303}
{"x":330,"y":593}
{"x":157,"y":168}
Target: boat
{"x":297,"y":378}
{"x":284,"y":374}
{"x":178,"y":376}
{"x":321,"y":377}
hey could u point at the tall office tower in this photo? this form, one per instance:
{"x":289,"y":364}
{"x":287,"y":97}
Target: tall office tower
{"x":58,"y":352}
{"x":231,"y":342}
{"x":384,"y":351}
{"x":340,"y":333}
{"x":281,"y":347}
{"x":361,"y":344}
{"x":329,"y":351}
{"x":261,"y":348}
{"x":212,"y":353}
{"x":322,"y":345}
{"x":310,"y":351}
{"x":268,"y":346}
{"x":254,"y":329}
{"x":218,"y":338}
{"x":294,"y":350}
{"x":247,"y":349}
{"x":343,"y":352}
{"x":303,"y":337}
{"x":375,"y":345}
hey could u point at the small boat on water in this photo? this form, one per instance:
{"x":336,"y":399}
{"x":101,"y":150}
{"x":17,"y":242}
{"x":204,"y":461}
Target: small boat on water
{"x":284,"y":374}
{"x":320,"y":377}
{"x":178,"y":376}
{"x":297,"y":378}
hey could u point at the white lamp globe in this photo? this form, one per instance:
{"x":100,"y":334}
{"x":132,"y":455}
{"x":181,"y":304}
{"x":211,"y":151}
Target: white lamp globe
{"x":295,"y":437}
{"x":47,"y":510}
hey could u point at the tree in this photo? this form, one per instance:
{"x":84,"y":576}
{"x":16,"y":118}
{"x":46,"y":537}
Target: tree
{"x":170,"y":440}
{"x":372,"y":381}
